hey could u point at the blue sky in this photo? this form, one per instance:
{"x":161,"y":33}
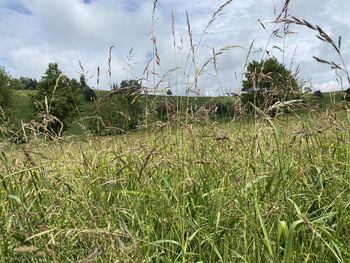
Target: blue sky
{"x":37,"y":32}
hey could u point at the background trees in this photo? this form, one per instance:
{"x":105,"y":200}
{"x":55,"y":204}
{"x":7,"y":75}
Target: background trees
{"x":57,"y":96}
{"x":29,"y":83}
{"x":267,"y":82}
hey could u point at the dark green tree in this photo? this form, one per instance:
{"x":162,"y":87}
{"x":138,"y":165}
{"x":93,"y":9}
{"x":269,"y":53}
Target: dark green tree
{"x":29,"y":83}
{"x":6,"y":92}
{"x":267,"y":82}
{"x":57,"y":96}
{"x":129,"y":83}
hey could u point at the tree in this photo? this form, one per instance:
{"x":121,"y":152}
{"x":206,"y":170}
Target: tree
{"x":6,"y":92}
{"x":17,"y":84}
{"x":29,"y":83}
{"x":129,"y":83}
{"x":267,"y":82}
{"x":58,"y":97}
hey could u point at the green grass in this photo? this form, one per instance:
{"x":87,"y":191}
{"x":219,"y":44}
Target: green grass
{"x":252,"y":191}
{"x":23,"y":111}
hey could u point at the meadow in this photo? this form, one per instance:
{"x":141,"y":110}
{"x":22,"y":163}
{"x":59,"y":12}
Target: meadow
{"x":261,"y":190}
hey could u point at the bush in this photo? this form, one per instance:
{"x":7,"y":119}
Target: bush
{"x":58,"y":97}
{"x":29,"y":83}
{"x":268,"y":82}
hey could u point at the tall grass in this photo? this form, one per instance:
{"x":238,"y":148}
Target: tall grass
{"x":229,"y":193}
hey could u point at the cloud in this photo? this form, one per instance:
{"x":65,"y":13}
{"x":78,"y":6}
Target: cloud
{"x":36,"y":32}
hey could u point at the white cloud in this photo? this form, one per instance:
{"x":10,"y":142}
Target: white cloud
{"x":37,"y":32}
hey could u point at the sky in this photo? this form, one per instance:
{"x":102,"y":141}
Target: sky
{"x":71,"y":33}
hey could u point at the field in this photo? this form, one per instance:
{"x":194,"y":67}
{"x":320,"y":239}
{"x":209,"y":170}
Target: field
{"x":258,"y":190}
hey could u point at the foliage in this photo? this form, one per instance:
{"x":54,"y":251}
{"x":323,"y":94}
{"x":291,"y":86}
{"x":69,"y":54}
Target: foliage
{"x":29,"y":83}
{"x":129,"y":83}
{"x":58,"y":96}
{"x":117,"y":113}
{"x":7,"y":98}
{"x":17,"y":84}
{"x":268,"y":82}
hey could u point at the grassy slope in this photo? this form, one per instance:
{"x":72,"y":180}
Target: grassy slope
{"x":242,"y":192}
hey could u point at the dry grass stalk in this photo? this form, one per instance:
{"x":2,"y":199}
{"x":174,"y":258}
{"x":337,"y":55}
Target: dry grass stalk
{"x":110,"y":66}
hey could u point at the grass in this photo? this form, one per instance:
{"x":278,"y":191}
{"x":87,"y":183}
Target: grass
{"x":23,"y":110}
{"x":253,"y":191}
